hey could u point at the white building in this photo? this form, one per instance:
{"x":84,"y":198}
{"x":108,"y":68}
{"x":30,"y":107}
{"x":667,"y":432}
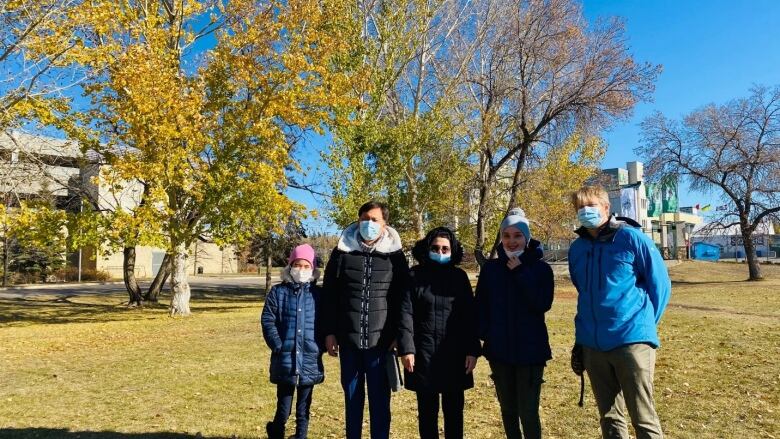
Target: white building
{"x":765,"y":239}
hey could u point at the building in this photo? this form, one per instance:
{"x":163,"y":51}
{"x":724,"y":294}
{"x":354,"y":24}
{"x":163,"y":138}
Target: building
{"x":653,"y":206}
{"x":33,"y":165}
{"x":766,"y":241}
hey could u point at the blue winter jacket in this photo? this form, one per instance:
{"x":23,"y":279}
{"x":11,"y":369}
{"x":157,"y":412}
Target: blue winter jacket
{"x":291,"y":327}
{"x":511,"y":305}
{"x":623,"y":287}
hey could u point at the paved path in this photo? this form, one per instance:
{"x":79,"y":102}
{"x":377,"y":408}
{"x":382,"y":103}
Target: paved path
{"x":198,"y":283}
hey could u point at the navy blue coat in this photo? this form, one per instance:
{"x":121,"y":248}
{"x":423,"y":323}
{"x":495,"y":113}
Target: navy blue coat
{"x":291,"y":327}
{"x":511,"y":305}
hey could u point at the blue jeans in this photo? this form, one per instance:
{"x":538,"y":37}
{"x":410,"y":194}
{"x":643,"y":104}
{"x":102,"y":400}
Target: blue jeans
{"x":361,"y":367}
{"x":284,"y":399}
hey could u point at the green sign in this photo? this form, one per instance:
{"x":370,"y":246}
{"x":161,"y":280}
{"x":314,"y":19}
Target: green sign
{"x":669,"y":202}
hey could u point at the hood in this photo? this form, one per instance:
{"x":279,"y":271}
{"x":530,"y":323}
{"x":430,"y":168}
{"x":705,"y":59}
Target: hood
{"x":420,"y":250}
{"x":533,"y":251}
{"x":286,"y":277}
{"x":608,"y":231}
{"x":389,"y":242}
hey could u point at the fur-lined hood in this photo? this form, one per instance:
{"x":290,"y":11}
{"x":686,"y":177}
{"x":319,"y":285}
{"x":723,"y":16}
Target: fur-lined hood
{"x":390,"y":242}
{"x":286,"y":277}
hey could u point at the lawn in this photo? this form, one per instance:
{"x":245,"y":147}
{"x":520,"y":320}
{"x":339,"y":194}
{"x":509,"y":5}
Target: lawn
{"x":88,"y":367}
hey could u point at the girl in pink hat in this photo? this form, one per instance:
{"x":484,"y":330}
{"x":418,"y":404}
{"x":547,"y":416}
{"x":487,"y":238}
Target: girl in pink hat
{"x":290,"y":323}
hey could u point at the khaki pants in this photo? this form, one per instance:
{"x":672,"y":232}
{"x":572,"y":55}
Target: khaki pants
{"x":623,"y":378}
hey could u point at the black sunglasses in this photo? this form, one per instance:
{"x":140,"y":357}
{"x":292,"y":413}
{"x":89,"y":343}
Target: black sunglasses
{"x":443,"y":248}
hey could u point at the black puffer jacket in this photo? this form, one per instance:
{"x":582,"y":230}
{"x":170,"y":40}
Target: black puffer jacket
{"x":438,"y":321}
{"x":363,"y":289}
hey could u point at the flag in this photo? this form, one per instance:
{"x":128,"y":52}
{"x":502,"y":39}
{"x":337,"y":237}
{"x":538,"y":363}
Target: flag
{"x":628,"y":205}
{"x":653,"y":200}
{"x":706,"y":208}
{"x":723,"y":207}
{"x":669,"y":194}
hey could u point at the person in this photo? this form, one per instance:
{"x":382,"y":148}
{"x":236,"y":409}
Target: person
{"x":438,"y":340}
{"x":291,"y":328}
{"x":514,"y":292}
{"x":364,"y":280}
{"x":623,"y":288}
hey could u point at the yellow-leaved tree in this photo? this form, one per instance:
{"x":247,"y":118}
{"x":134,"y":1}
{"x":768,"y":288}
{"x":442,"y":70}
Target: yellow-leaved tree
{"x":549,"y":184}
{"x":201,"y":103}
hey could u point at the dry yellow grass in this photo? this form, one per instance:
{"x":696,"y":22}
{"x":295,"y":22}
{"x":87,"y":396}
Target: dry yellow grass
{"x":88,"y":367}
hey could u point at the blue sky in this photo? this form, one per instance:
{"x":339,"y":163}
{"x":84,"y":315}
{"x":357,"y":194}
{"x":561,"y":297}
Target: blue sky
{"x":712,"y":51}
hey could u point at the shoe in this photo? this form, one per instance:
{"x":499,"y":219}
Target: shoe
{"x":273,"y":432}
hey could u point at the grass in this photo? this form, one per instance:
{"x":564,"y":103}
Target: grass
{"x":88,"y":367}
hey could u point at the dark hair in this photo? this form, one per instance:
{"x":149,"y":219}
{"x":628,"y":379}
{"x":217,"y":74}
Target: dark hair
{"x":373,"y":204}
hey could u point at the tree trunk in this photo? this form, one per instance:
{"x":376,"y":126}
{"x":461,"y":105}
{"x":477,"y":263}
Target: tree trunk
{"x":180,"y":287}
{"x":128,"y":274}
{"x":754,"y":268}
{"x":512,"y":192}
{"x":5,"y":258}
{"x":417,"y":215}
{"x":268,"y":261}
{"x":159,"y":279}
{"x":481,"y":211}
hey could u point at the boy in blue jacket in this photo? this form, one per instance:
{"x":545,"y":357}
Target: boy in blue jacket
{"x":290,"y":323}
{"x":623,"y":288}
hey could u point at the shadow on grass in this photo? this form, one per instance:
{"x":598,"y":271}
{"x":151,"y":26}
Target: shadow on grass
{"x":86,"y":308}
{"x":45,"y":433}
{"x":708,"y":282}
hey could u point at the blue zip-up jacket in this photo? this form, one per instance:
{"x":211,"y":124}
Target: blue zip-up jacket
{"x":511,"y":306}
{"x":623,"y":287}
{"x":291,"y":327}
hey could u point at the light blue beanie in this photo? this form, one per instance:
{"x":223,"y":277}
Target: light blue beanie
{"x":516,"y":218}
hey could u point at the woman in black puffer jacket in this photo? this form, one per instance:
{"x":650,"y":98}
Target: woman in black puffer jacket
{"x":438,"y":340}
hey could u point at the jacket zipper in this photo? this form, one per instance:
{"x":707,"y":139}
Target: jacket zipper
{"x":593,"y":292}
{"x":364,"y":303}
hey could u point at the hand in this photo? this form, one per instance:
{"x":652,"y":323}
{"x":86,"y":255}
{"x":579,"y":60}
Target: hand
{"x":408,"y":362}
{"x":332,"y":345}
{"x":471,"y":363}
{"x":513,"y":262}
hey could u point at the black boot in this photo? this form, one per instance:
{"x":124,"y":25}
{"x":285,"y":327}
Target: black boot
{"x":273,"y":431}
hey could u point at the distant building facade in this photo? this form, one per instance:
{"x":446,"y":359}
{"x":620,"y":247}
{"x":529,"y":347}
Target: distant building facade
{"x":653,"y":206}
{"x":31,"y":165}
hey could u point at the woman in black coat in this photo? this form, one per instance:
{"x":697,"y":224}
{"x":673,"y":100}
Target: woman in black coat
{"x":438,"y":339}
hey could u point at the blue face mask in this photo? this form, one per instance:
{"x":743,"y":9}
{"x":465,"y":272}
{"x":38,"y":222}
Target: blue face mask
{"x":370,"y":230}
{"x":438,"y":257}
{"x":589,"y":217}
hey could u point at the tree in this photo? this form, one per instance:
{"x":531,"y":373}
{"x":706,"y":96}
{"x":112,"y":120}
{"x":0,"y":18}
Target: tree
{"x":400,"y":146}
{"x":35,"y":39}
{"x":536,"y":73}
{"x":209,"y":133}
{"x":733,"y":149}
{"x":548,"y":184}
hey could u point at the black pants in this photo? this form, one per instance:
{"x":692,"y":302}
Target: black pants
{"x":284,"y":398}
{"x":519,"y":389}
{"x":428,"y":414}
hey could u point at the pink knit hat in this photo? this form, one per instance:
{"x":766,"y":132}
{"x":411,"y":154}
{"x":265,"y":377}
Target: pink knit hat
{"x":303,"y":251}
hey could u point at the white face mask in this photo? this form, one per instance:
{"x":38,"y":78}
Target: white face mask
{"x":301,"y":275}
{"x":509,"y":254}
